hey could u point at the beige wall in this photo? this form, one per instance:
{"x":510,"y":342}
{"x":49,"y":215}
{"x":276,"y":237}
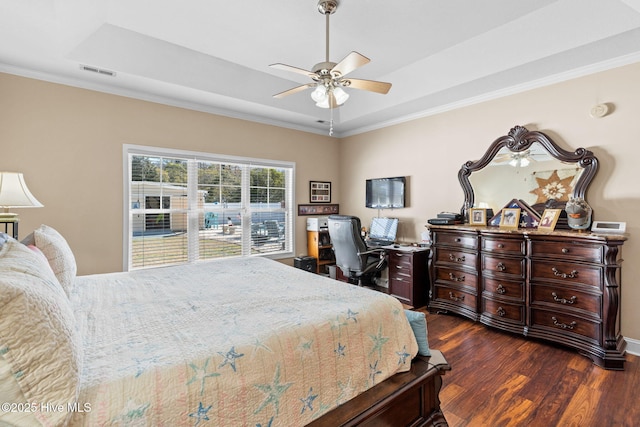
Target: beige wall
{"x":68,"y":143}
{"x":431,"y":150}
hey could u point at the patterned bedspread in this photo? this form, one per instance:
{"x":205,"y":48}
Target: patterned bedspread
{"x":240,"y":342}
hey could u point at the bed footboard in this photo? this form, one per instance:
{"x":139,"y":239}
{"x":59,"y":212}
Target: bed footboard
{"x":406,"y":399}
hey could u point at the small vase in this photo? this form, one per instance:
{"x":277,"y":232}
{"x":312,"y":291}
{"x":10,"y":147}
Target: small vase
{"x":578,"y":213}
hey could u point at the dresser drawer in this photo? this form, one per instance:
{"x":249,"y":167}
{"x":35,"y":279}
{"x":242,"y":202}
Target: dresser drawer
{"x":504,"y":246}
{"x":508,"y":266}
{"x":503,"y":288}
{"x":455,"y":257}
{"x":457,"y":276}
{"x":562,"y":322}
{"x":463,"y":240}
{"x":566,"y":272}
{"x":456,"y":296}
{"x":566,"y":299}
{"x":569,"y":250}
{"x":503,"y":310}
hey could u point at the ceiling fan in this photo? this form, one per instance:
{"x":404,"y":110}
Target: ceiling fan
{"x":329,"y":77}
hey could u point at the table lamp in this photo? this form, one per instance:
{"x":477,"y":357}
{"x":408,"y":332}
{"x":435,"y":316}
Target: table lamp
{"x":14,"y":194}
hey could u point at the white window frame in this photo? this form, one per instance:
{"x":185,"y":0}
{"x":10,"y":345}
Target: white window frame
{"x":191,"y":156}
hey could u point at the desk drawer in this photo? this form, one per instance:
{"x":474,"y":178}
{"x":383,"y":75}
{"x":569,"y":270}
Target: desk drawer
{"x":397,"y":258}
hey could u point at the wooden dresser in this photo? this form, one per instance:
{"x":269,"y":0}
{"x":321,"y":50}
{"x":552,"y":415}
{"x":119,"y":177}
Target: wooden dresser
{"x":562,"y":286}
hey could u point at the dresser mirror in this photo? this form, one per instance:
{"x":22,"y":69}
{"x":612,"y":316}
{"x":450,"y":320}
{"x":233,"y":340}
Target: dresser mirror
{"x":529,"y":166}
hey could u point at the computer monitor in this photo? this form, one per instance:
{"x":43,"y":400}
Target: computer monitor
{"x":383,"y":229}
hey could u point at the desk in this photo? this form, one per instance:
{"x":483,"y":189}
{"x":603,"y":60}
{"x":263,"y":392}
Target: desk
{"x":408,"y":274}
{"x":14,"y":226}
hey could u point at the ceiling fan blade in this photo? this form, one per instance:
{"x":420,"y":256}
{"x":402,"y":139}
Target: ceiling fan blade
{"x":293,"y":69}
{"x":294,"y":90}
{"x":349,"y":63}
{"x":370,"y":85}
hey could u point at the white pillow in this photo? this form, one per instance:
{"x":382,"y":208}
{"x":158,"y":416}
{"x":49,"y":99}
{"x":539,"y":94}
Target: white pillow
{"x":38,"y":335}
{"x":59,"y":254}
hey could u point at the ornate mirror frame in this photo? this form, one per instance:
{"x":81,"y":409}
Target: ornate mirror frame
{"x":520,"y":139}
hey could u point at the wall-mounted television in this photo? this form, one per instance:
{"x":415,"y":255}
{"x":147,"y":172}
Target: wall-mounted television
{"x":386,"y":193}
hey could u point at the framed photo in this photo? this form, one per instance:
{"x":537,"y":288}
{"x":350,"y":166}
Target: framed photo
{"x":549,"y":219}
{"x":510,"y":218}
{"x":478,"y":216}
{"x":319,"y":192}
{"x":318,"y":209}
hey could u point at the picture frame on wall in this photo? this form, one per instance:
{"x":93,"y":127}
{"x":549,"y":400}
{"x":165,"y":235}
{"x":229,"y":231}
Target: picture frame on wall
{"x":329,"y":209}
{"x":477,"y":216}
{"x":319,"y":192}
{"x":510,"y":218}
{"x":549,"y":219}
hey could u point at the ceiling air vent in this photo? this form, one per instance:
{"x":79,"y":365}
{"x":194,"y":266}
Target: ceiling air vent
{"x":98,"y":70}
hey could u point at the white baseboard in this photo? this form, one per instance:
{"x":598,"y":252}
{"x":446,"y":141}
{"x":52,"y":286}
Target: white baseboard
{"x":633,"y":346}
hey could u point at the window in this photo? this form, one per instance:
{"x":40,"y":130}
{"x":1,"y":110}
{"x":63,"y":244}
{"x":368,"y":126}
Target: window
{"x":185,"y":207}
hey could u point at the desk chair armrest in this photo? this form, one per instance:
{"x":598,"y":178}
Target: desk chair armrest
{"x":382,"y":254}
{"x":379,"y":251}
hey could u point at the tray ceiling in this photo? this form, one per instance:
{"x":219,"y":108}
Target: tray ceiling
{"x":214,"y":56}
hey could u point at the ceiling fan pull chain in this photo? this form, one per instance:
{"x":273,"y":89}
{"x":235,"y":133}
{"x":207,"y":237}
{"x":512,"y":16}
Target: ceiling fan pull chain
{"x":331,"y":122}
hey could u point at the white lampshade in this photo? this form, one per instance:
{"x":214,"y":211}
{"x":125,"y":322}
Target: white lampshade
{"x":15,"y":194}
{"x":340,"y":95}
{"x":319,"y":95}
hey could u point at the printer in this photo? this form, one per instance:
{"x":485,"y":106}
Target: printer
{"x":320,"y":223}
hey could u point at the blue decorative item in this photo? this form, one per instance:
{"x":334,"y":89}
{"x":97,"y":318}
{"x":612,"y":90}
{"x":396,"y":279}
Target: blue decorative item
{"x":529,"y":218}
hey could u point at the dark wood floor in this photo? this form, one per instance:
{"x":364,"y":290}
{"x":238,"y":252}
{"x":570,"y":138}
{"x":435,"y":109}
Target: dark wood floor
{"x":502,"y":379}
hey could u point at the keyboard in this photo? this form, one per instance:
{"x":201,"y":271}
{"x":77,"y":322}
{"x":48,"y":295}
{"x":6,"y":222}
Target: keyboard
{"x":378,"y":242}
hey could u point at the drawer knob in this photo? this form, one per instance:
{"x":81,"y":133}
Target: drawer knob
{"x":500,"y":246}
{"x":501,"y":267}
{"x":501,"y":312}
{"x":558,"y":273}
{"x":452,"y":257}
{"x":556,"y":298}
{"x":563,"y":325}
{"x":456,"y":298}
{"x":565,"y":250}
{"x":456,"y":278}
{"x":458,"y":240}
{"x":501,"y":289}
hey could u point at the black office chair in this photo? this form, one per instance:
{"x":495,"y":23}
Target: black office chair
{"x":358,"y":263}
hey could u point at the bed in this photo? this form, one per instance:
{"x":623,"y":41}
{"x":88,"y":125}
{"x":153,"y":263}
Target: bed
{"x":236,"y":342}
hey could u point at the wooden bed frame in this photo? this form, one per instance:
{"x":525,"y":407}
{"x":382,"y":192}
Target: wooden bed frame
{"x":406,"y":399}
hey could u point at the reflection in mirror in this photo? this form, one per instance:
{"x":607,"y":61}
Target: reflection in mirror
{"x":532,"y":175}
{"x":529,"y":166}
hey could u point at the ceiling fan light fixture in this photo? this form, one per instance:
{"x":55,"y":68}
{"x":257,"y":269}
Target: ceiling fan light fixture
{"x":340,"y":95}
{"x":320,"y":95}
